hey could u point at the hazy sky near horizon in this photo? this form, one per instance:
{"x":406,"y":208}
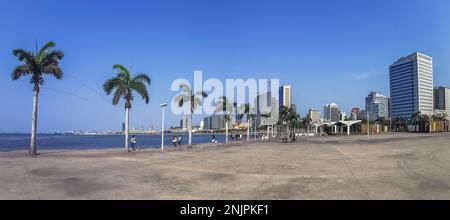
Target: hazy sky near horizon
{"x":329,"y":51}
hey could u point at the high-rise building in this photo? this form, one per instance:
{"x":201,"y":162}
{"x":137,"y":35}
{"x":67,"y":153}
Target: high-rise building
{"x":331,"y":112}
{"x":314,"y":115}
{"x":123,"y":127}
{"x":267,"y":111}
{"x":285,"y":96}
{"x":442,"y":99}
{"x":202,"y":124}
{"x":183,"y":123}
{"x":411,"y":85}
{"x":355,"y":113}
{"x":214,"y":122}
{"x":377,"y":105}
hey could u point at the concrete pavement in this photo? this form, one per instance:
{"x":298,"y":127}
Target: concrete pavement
{"x":398,"y":166}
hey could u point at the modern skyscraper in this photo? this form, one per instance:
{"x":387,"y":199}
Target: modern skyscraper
{"x":285,"y":96}
{"x":314,"y":115}
{"x":331,"y":112}
{"x":442,"y":99}
{"x":411,"y":85}
{"x":377,"y":105}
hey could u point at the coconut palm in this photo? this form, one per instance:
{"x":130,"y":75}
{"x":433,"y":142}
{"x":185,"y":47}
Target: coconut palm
{"x":123,"y":86}
{"x":195,"y":100}
{"x":225,"y":106}
{"x":42,"y":62}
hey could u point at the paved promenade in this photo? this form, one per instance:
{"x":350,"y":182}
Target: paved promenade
{"x":398,"y":166}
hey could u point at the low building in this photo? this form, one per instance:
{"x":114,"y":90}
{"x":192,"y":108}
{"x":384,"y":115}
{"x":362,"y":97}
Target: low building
{"x":314,"y":115}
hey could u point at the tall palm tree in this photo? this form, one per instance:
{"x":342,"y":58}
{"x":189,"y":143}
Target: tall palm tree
{"x":246,"y":110}
{"x":288,"y":117}
{"x":123,"y":86}
{"x":307,"y":123}
{"x":195,"y":100}
{"x":225,"y":106}
{"x":267,"y":116}
{"x":42,"y":62}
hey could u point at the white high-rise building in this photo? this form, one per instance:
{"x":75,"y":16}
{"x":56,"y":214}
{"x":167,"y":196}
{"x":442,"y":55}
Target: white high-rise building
{"x":411,"y":85}
{"x":377,"y":105}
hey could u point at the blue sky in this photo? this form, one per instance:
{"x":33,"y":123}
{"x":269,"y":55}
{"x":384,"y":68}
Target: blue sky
{"x":328,"y":50}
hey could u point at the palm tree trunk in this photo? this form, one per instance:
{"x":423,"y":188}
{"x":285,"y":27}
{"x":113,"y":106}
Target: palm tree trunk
{"x":226,"y":132}
{"x":248,"y":130}
{"x":190,"y":130}
{"x":127,"y":121}
{"x":33,"y":150}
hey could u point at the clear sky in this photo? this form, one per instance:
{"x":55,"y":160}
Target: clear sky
{"x":329,"y":51}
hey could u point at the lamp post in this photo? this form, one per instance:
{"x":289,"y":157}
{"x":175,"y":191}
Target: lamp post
{"x":163,"y":106}
{"x":368,"y":124}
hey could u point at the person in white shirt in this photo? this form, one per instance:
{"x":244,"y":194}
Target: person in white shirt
{"x":133,"y":143}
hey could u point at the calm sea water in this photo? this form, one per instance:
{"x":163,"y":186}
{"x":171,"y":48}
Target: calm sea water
{"x":10,"y":142}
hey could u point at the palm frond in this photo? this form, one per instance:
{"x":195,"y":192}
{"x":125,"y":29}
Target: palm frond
{"x":197,"y":102}
{"x":142,"y":78}
{"x":53,"y":70}
{"x":201,"y":94}
{"x":119,"y":93}
{"x":112,"y":84}
{"x":181,"y":99}
{"x":186,"y":89}
{"x":23,"y":56}
{"x":141,"y":89}
{"x":47,"y":46}
{"x":42,"y":54}
{"x":21,"y":70}
{"x":122,"y":71}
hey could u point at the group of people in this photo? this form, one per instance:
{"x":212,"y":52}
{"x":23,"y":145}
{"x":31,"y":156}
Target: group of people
{"x":238,"y":136}
{"x":177,"y":141}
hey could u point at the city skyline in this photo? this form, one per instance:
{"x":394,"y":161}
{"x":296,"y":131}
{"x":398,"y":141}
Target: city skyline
{"x":316,"y":56}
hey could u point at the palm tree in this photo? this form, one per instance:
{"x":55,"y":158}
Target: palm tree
{"x":195,"y":100}
{"x":267,"y":116}
{"x":307,"y":123}
{"x":123,"y":86}
{"x":226,"y":107}
{"x":43,"y":62}
{"x":246,"y":110}
{"x":288,"y":117}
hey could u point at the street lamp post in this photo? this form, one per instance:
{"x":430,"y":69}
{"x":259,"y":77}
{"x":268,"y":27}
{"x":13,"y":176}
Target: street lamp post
{"x":163,"y":106}
{"x":368,"y":124}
